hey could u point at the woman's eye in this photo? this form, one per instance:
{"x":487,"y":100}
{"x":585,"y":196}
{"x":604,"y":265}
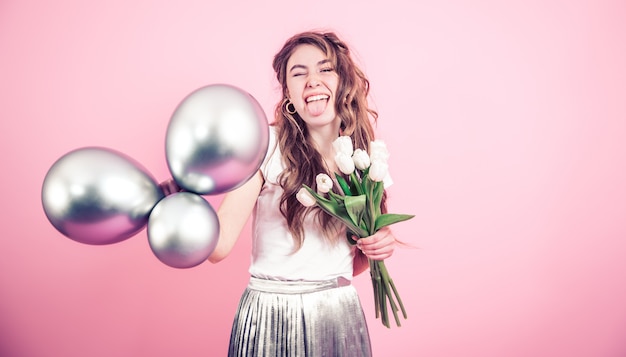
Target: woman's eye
{"x":298,"y":74}
{"x":327,"y":69}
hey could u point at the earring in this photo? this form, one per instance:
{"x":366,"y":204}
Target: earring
{"x":289,"y":110}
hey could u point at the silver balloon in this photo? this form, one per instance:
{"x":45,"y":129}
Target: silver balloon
{"x":98,"y":196}
{"x":216,"y":139}
{"x":183,"y":230}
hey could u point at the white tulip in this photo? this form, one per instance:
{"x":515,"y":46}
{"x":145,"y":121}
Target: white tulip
{"x":324,"y":183}
{"x":378,"y":151}
{"x":305,"y":197}
{"x":343,"y":144}
{"x":344,"y":163}
{"x":378,"y":170}
{"x":361,"y":159}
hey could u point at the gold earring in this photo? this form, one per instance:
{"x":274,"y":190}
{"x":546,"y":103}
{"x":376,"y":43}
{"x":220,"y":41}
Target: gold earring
{"x":290,"y":111}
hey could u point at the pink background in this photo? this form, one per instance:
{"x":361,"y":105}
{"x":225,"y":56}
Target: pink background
{"x":506,"y":122}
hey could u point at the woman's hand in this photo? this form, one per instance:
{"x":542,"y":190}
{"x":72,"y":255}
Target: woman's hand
{"x":378,"y":246}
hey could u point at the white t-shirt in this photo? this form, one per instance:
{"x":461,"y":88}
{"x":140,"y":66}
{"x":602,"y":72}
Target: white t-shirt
{"x":273,"y":255}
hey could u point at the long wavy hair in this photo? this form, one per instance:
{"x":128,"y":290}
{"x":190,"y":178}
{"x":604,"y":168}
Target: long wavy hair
{"x":302,"y":161}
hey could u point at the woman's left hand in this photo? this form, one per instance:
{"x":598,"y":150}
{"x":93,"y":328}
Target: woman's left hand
{"x":378,"y":246}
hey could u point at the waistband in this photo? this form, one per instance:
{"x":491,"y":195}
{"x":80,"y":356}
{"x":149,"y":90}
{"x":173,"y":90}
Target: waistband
{"x":295,"y":286}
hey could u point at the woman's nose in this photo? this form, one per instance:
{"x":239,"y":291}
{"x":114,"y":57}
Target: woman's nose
{"x":313,"y":81}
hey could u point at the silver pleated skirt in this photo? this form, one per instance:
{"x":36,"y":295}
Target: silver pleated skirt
{"x":296,"y":318}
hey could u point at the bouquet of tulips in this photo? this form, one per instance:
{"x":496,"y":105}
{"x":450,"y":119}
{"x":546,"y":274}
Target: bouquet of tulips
{"x":359,"y":208}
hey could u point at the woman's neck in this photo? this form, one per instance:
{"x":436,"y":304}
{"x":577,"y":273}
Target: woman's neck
{"x":323,"y":137}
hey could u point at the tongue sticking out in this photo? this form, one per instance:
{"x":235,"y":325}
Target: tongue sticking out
{"x":317,"y":107}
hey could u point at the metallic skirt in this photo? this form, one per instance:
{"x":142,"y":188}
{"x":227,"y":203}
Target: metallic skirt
{"x":296,"y":318}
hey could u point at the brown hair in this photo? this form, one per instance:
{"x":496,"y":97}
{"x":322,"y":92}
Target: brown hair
{"x":302,"y":161}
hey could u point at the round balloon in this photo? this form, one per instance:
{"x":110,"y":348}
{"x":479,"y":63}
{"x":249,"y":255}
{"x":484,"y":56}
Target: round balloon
{"x":183,"y":230}
{"x":98,"y":196}
{"x":216,"y":140}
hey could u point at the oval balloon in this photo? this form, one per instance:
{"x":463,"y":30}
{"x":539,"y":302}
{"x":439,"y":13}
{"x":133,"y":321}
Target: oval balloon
{"x":98,"y":196}
{"x":183,"y":230}
{"x":216,"y":140}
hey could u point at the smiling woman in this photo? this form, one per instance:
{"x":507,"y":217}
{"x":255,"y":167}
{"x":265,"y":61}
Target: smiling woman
{"x":300,"y":300}
{"x":312,"y":85}
{"x":506,"y":124}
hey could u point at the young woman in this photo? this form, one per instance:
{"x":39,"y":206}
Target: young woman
{"x":299,"y":300}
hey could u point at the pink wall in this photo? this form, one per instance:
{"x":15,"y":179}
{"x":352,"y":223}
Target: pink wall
{"x":506,"y":122}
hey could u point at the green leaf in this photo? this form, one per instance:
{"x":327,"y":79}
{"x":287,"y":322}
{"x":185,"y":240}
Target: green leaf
{"x":377,"y":194}
{"x":343,"y":184}
{"x":355,"y":206}
{"x":390,"y":218}
{"x":338,"y":198}
{"x":336,"y":210}
{"x":357,"y":188}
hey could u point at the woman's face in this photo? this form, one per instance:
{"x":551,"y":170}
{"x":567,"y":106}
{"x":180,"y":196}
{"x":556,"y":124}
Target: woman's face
{"x":311,"y":85}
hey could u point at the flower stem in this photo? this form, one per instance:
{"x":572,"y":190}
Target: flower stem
{"x":385,"y":273}
{"x":356,"y":184}
{"x":374,"y":273}
{"x":385,"y":291}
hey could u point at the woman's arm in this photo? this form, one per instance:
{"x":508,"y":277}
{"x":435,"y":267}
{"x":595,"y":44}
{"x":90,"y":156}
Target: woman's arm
{"x":233,"y":214}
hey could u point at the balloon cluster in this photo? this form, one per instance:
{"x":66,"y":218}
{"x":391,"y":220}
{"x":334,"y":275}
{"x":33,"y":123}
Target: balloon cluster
{"x":216,"y":140}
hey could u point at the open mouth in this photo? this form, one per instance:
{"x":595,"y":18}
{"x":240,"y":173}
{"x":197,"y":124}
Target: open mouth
{"x":317,"y":97}
{"x":316,"y":104}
